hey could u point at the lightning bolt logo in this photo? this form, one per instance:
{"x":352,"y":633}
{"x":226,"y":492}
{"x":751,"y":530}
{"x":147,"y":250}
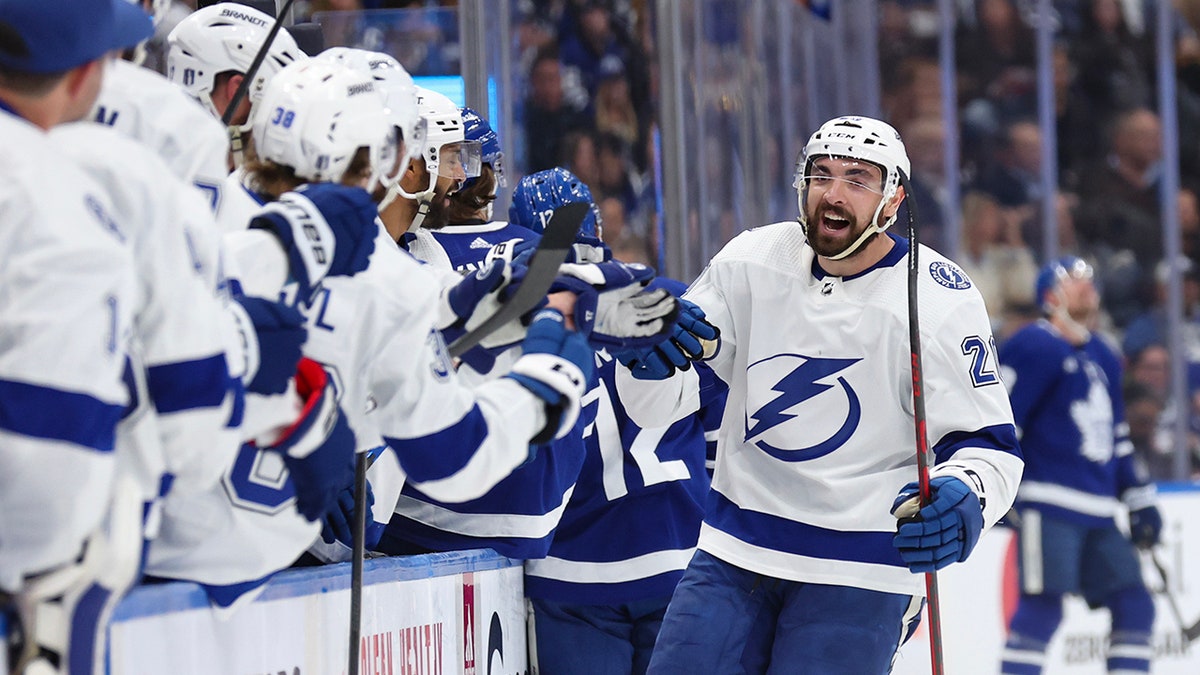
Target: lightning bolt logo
{"x":801,"y":384}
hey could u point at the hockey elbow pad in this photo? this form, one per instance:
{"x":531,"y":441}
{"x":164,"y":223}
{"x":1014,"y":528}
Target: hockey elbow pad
{"x":942,"y":532}
{"x":556,"y":367}
{"x":318,"y":448}
{"x":326,"y":229}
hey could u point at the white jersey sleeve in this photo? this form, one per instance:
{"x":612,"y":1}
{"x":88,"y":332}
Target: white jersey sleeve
{"x":181,"y":324}
{"x":66,"y":295}
{"x":144,"y":105}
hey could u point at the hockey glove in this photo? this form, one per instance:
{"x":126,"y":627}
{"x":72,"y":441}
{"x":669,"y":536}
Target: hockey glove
{"x":280,"y":332}
{"x":318,"y":448}
{"x":338,"y":523}
{"x":326,"y":229}
{"x":692,"y":339}
{"x":613,"y":307}
{"x":589,"y":249}
{"x":459,"y":302}
{"x":556,"y":366}
{"x":1145,"y":521}
{"x":942,"y":532}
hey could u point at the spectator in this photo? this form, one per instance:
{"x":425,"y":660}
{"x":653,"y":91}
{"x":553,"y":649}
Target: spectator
{"x":1114,"y":65}
{"x":1014,"y":179}
{"x":579,"y":156}
{"x":549,"y":118}
{"x":926,"y":138}
{"x":616,"y":176}
{"x":1143,"y":408}
{"x":998,"y":262}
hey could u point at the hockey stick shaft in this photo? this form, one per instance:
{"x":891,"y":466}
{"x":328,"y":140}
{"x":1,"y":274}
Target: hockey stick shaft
{"x":356,"y":560}
{"x":922,"y":437}
{"x":1190,"y":632}
{"x":551,"y":252}
{"x":243,"y":89}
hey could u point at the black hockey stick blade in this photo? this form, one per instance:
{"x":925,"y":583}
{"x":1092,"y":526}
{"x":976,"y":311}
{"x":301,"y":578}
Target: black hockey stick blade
{"x":361,"y":463}
{"x":543,"y":268}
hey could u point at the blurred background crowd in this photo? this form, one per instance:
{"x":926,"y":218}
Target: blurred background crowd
{"x":588,"y":90}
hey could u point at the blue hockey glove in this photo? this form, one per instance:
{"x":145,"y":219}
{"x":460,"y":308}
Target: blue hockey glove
{"x":614,"y":308}
{"x":318,"y":448}
{"x":556,"y":366}
{"x":691,"y":339}
{"x":327,"y":230}
{"x":338,"y":523}
{"x":941,"y":533}
{"x":460,"y":301}
{"x":1145,"y":521}
{"x":281,"y":334}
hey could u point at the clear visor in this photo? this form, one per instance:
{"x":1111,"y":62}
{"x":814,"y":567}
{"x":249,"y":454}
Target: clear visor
{"x":460,"y":161}
{"x":853,"y":175}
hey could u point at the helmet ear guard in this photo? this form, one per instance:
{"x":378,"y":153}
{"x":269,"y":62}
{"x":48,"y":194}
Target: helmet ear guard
{"x":857,"y":138}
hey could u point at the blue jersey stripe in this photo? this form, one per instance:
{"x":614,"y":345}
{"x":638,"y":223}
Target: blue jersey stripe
{"x":202,"y":383}
{"x":1002,"y":437}
{"x":780,"y":534}
{"x":53,"y":414}
{"x":443,"y":453}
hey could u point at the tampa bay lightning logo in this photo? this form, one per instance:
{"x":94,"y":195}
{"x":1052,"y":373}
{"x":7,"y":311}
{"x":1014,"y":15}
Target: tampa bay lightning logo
{"x":824,"y":406}
{"x":949,"y":276}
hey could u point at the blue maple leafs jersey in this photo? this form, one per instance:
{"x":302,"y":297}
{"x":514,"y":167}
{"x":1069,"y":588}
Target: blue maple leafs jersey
{"x":818,"y":434}
{"x":633,"y":520}
{"x":462,"y":247}
{"x":1071,"y":421}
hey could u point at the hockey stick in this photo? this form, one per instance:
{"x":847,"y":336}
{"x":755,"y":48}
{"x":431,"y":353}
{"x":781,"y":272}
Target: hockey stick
{"x":918,"y":382}
{"x":244,"y":86}
{"x":551,"y":252}
{"x":356,"y":561}
{"x":1189,"y":633}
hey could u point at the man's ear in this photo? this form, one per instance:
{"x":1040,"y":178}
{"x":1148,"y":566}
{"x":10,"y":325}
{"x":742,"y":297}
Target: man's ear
{"x":893,"y":204}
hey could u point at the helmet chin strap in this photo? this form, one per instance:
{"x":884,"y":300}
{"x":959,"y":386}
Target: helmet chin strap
{"x":866,"y":233}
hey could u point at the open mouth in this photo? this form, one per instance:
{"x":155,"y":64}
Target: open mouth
{"x":833,"y":222}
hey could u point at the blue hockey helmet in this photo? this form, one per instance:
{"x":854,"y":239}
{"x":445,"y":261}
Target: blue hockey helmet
{"x":477,"y":129}
{"x":1055,"y":271}
{"x":538,"y":194}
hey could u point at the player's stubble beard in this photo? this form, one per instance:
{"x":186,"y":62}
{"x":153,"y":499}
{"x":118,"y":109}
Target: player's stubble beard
{"x":827,"y":246}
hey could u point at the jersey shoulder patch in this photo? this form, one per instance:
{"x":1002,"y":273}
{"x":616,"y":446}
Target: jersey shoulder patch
{"x":949,"y":275}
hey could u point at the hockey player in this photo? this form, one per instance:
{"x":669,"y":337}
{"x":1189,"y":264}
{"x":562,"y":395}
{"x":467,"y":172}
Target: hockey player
{"x":517,"y":517}
{"x":446,"y":161}
{"x":209,"y":54}
{"x":599,"y":594}
{"x":801,"y":565}
{"x":146,"y":106}
{"x":1065,"y":386}
{"x":377,"y":329}
{"x":64,"y":314}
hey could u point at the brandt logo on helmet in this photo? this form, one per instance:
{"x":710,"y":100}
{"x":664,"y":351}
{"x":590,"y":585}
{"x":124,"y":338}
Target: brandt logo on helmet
{"x":821,"y":406}
{"x":242,"y":16}
{"x":949,"y":276}
{"x":355,"y":89}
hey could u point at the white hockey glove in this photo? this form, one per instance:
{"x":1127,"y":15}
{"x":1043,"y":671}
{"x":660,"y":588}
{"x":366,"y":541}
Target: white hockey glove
{"x":614,"y":308}
{"x":556,"y":367}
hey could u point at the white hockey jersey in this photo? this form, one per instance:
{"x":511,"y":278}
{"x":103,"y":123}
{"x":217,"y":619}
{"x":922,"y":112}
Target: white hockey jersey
{"x":818,"y":436}
{"x":147,"y":107}
{"x":66,"y":289}
{"x":182,"y":326}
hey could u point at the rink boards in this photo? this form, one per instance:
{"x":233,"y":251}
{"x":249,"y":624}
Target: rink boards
{"x":979,"y":595}
{"x":437,"y":614}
